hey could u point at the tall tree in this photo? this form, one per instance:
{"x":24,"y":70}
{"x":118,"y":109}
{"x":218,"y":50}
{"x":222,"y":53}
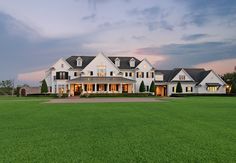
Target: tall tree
{"x":152,"y":87}
{"x":44,"y":87}
{"x":233,"y":88}
{"x":179,"y":88}
{"x":142,"y":87}
{"x":7,"y":87}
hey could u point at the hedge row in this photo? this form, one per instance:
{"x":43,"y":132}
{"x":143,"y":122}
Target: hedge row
{"x":116,"y":95}
{"x":200,"y":94}
{"x":55,"y":95}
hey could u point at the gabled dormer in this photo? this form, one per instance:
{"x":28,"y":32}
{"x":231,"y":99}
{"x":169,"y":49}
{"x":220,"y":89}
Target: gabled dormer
{"x":117,"y":62}
{"x":132,"y":62}
{"x":79,"y":61}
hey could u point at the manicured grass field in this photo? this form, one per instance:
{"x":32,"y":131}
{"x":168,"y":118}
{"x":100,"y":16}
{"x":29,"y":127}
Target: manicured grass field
{"x":196,"y":129}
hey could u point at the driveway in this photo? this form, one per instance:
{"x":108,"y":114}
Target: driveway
{"x":106,"y":100}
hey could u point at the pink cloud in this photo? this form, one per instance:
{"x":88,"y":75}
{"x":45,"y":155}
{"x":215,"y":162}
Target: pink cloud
{"x":220,"y":66}
{"x":35,"y":76}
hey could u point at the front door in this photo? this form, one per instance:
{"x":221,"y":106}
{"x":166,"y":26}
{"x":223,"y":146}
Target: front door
{"x":78,"y":89}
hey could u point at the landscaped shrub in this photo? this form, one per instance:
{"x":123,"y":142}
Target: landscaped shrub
{"x":43,"y":95}
{"x":65,"y":95}
{"x":200,"y":94}
{"x":115,"y":95}
{"x":44,"y":87}
{"x":152,"y":87}
{"x":179,"y":88}
{"x":142,"y":87}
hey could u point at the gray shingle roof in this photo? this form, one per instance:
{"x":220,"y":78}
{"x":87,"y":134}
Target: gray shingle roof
{"x":196,"y":73}
{"x":86,"y":60}
{"x":124,"y":61}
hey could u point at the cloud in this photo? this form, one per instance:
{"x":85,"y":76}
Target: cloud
{"x":220,"y":66}
{"x":150,"y":13}
{"x":89,"y":17}
{"x":194,"y":37}
{"x":201,"y":12}
{"x":138,"y":37}
{"x":23,"y":49}
{"x":153,"y":17}
{"x":187,"y":55}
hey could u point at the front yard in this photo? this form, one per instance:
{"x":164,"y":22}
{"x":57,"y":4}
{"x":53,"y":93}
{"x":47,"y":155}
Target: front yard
{"x":194,"y":129}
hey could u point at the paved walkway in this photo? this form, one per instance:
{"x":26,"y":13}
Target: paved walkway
{"x":107,"y":100}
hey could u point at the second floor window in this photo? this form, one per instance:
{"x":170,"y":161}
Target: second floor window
{"x":181,"y":77}
{"x":147,"y":74}
{"x":101,"y":71}
{"x":111,"y":73}
{"x":75,"y":74}
{"x":91,"y":73}
{"x":62,"y":75}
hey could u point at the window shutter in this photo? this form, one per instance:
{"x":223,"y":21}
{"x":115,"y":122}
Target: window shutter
{"x":66,"y":77}
{"x":57,"y":75}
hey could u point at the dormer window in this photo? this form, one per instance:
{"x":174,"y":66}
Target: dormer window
{"x":79,"y":61}
{"x":117,"y":62}
{"x":132,"y":62}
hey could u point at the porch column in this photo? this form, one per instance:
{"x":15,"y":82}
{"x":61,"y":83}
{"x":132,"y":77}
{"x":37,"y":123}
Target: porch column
{"x":82,"y":88}
{"x":120,"y":87}
{"x":65,"y":91}
{"x":57,"y":90}
{"x":95,"y":88}
{"x":108,"y":87}
{"x":133,"y":88}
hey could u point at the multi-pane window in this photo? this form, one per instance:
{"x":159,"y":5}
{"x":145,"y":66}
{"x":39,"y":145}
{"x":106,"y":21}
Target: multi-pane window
{"x":181,"y":77}
{"x":189,"y":89}
{"x":91,"y":73}
{"x":126,"y":74}
{"x":152,"y":74}
{"x":130,"y":74}
{"x":61,"y":75}
{"x":147,"y":74}
{"x":111,"y":73}
{"x":75,"y":74}
{"x":174,"y":89}
{"x":101,"y":70}
{"x":212,"y":89}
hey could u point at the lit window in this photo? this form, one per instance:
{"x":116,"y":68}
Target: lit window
{"x":174,"y":89}
{"x":181,"y":77}
{"x":189,"y":89}
{"x":101,"y":70}
{"x":212,"y":89}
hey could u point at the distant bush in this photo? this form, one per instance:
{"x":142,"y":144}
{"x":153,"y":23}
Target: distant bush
{"x":116,"y":95}
{"x":43,"y":95}
{"x":199,"y":94}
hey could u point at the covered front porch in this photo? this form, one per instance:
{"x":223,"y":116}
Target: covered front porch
{"x":83,"y":85}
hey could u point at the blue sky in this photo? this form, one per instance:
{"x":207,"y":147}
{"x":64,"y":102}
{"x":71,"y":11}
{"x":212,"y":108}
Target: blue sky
{"x":170,"y":33}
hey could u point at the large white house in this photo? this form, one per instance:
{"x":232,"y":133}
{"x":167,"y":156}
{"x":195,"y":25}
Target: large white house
{"x":103,"y":74}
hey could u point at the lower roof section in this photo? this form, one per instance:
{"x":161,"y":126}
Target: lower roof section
{"x":102,"y":80}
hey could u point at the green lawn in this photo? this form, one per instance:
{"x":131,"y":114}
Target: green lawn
{"x":194,"y":129}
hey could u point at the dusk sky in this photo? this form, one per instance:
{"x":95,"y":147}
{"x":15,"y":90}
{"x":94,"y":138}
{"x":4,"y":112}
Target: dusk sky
{"x":169,"y":33}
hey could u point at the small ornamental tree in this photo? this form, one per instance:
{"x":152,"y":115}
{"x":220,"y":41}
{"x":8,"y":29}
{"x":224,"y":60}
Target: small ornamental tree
{"x":142,"y":87}
{"x":44,"y":87}
{"x":152,"y":87}
{"x":179,"y":88}
{"x":233,"y":88}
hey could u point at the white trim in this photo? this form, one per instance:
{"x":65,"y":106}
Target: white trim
{"x":185,"y":73}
